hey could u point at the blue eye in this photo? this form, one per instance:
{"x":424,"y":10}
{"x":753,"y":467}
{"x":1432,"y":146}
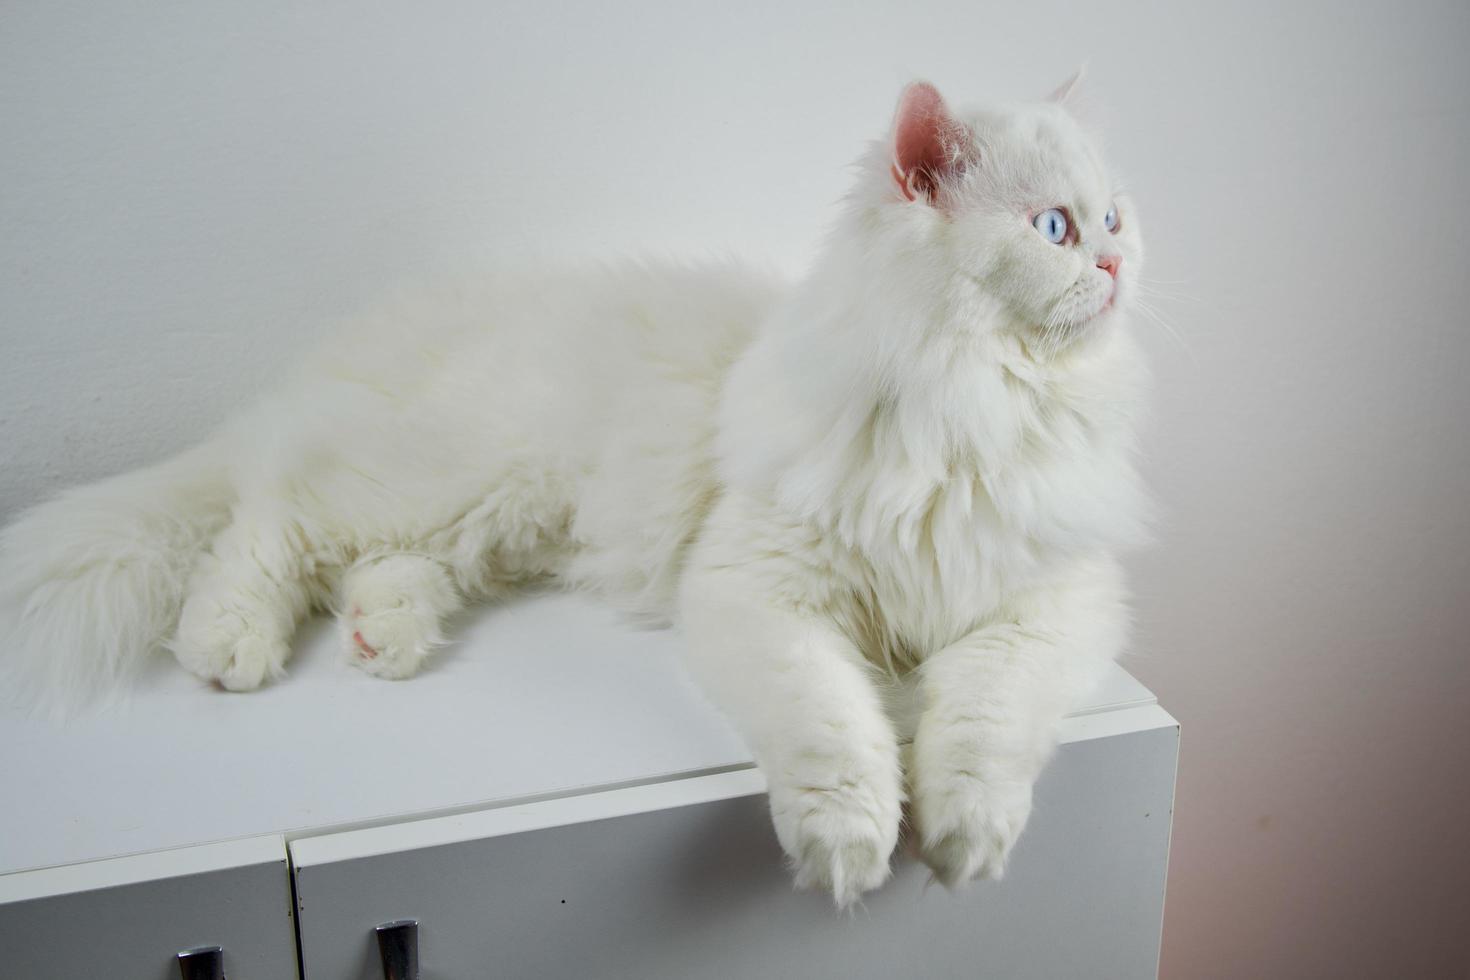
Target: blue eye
{"x":1052,"y":223}
{"x":1110,"y":220}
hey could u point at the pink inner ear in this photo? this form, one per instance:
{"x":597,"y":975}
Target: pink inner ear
{"x":928,"y":143}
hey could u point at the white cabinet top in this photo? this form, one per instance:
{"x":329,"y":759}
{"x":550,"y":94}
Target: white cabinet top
{"x":539,"y":697}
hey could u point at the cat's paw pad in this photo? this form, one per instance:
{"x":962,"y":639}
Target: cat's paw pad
{"x":838,"y":840}
{"x":393,"y":642}
{"x":222,"y":646}
{"x":968,"y":826}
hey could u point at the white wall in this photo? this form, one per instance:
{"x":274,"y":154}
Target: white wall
{"x":189,"y":191}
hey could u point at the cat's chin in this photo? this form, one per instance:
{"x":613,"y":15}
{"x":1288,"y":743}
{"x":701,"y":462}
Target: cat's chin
{"x":1066,"y":336}
{"x":1109,"y":311}
{"x":1100,"y":324}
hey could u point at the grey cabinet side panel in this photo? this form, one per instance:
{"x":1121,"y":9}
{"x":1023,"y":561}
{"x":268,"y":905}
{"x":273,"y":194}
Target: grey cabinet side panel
{"x":132,"y":932}
{"x":701,"y":892}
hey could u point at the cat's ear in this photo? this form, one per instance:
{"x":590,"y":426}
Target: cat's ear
{"x":1078,"y":98}
{"x":930,"y":147}
{"x":1070,"y":92}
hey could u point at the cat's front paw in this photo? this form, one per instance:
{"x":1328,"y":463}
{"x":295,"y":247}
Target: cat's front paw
{"x":839,"y":838}
{"x":969,"y":819}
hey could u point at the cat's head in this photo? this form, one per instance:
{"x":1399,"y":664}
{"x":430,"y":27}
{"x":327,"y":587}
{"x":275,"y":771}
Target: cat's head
{"x":1011,"y":211}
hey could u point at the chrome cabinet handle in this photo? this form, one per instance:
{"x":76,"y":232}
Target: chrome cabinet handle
{"x":202,"y":963}
{"x":398,"y":945}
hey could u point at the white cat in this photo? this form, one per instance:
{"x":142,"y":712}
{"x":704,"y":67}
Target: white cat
{"x":914,"y":465}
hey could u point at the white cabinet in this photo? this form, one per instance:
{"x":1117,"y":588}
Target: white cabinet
{"x":684,"y":880}
{"x":127,"y":918}
{"x":551,"y":799}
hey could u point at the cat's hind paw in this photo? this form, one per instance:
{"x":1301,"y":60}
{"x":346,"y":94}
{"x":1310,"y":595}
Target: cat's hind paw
{"x":392,"y":643}
{"x":392,"y":607}
{"x":220,"y":645}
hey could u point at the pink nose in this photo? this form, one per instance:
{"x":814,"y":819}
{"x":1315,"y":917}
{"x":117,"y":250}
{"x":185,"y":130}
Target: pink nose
{"x":1109,"y":264}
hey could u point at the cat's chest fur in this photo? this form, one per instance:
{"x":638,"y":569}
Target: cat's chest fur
{"x":990,"y":481}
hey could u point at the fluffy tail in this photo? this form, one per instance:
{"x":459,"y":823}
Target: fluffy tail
{"x":91,"y":581}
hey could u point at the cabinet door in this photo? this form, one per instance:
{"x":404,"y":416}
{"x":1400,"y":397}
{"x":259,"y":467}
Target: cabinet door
{"x":127,"y":918}
{"x":684,"y":879}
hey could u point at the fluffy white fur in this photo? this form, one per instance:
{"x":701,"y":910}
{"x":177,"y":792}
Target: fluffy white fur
{"x":910,"y":471}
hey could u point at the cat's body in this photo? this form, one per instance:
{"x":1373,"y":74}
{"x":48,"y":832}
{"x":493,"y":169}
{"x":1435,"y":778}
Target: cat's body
{"x":896,"y":467}
{"x":551,"y":426}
